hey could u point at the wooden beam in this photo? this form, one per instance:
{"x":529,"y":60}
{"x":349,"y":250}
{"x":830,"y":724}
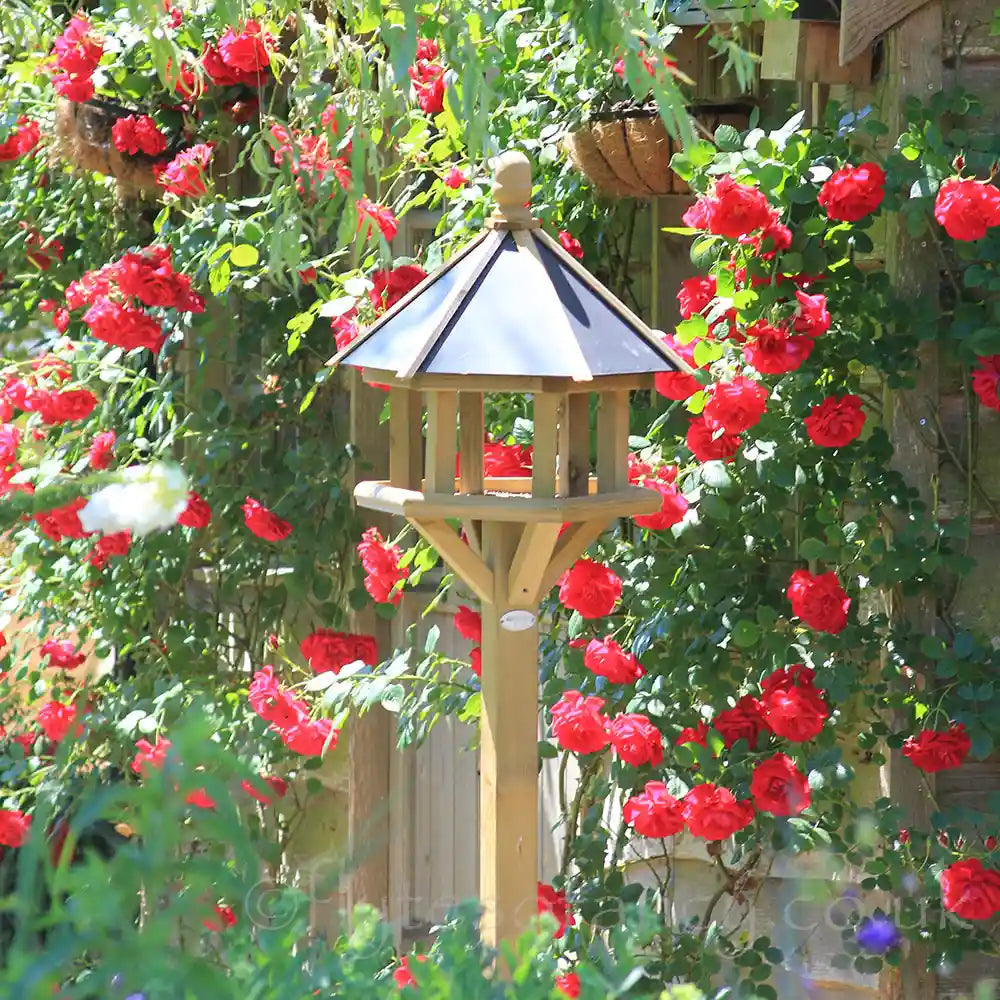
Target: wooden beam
{"x":468,"y":567}
{"x":913,"y":69}
{"x":548,"y":411}
{"x":442,"y":425}
{"x":406,"y":443}
{"x":531,"y":560}
{"x":574,"y":447}
{"x":508,"y":759}
{"x":612,"y":442}
{"x":471,"y":435}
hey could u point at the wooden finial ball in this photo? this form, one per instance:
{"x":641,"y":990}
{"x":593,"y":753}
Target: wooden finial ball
{"x":512,"y":184}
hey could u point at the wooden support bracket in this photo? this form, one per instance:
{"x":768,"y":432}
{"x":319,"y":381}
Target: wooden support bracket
{"x":530,"y":562}
{"x":467,"y":564}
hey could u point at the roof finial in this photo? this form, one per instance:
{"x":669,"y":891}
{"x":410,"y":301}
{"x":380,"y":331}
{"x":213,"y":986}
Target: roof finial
{"x":512,"y":191}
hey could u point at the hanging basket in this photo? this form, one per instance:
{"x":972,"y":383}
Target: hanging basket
{"x":83,"y":138}
{"x":626,"y":154}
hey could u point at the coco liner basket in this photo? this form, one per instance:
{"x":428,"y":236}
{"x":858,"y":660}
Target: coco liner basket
{"x":625,"y":152}
{"x":83,"y":138}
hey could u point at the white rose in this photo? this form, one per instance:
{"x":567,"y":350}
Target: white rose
{"x":146,"y":498}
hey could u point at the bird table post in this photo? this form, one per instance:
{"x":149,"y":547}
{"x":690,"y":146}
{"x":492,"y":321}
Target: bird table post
{"x":511,"y":313}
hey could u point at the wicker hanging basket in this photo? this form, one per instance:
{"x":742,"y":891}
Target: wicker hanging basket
{"x":83,"y":138}
{"x":626,"y":154}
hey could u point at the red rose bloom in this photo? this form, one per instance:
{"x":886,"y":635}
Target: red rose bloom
{"x":709,"y":445}
{"x":835,"y":422}
{"x":779,"y":787}
{"x":591,"y":588}
{"x":62,"y":653}
{"x":63,"y":522}
{"x":693,"y":734}
{"x":967,"y":208}
{"x":672,"y":508}
{"x":402,"y":975}
{"x":819,"y":601}
{"x":150,"y":755}
{"x":795,"y":712}
{"x":455,"y":179}
{"x":428,"y":85}
{"x":186,"y":174}
{"x":310,"y":737}
{"x":606,"y":658}
{"x":578,"y":724}
{"x":696,"y":294}
{"x":743,"y":721}
{"x":812,"y":316}
{"x":736,"y":405}
{"x":248,"y":50}
{"x":853,"y":192}
{"x":326,"y":650}
{"x":102,"y":450}
{"x":427,"y":48}
{"x":224,"y":918}
{"x":391,"y":285}
{"x":636,"y":740}
{"x":986,"y":381}
{"x":197,"y":513}
{"x":553,"y":901}
{"x":469,"y":624}
{"x":149,"y":276}
{"x":21,"y":139}
{"x":678,"y":385}
{"x":969,"y":890}
{"x":654,"y":812}
{"x":64,"y":407}
{"x":476,"y":660}
{"x":278,"y":786}
{"x":380,"y":561}
{"x":713,"y":813}
{"x":123,"y":326}
{"x":200,"y":799}
{"x":732,"y":210}
{"x":570,"y":244}
{"x":134,"y":135}
{"x":14,"y":827}
{"x":382,"y":217}
{"x":56,"y":720}
{"x":506,"y":459}
{"x":773,"y":351}
{"x":932,"y":751}
{"x":263,"y":523}
{"x":568,"y":984}
{"x":108,"y":546}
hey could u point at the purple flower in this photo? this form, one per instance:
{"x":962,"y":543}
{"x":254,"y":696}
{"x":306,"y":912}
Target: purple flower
{"x":878,"y":934}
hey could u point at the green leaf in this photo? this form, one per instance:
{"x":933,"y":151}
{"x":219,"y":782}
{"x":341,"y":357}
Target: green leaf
{"x":812,"y":548}
{"x":746,"y":634}
{"x":692,"y":329}
{"x":244,"y":255}
{"x":392,"y":697}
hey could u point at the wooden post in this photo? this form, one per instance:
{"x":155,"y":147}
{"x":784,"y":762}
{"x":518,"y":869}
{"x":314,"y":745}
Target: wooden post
{"x":508,"y":759}
{"x":549,"y":411}
{"x":914,"y":69}
{"x":406,"y":446}
{"x":612,"y":441}
{"x":574,"y":446}
{"x":442,"y":427}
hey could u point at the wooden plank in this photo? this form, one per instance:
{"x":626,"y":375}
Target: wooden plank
{"x":548,"y":412}
{"x":784,"y":46}
{"x":913,"y":69}
{"x":862,"y":21}
{"x":612,"y":442}
{"x":508,"y":834}
{"x":471,"y":435}
{"x":458,"y":556}
{"x":406,"y":446}
{"x":442,"y":424}
{"x":574,"y":447}
{"x":530,"y":563}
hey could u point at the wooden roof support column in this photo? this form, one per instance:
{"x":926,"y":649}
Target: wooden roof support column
{"x":612,"y":442}
{"x":406,"y":446}
{"x":574,"y":446}
{"x":913,"y":69}
{"x":442,"y":425}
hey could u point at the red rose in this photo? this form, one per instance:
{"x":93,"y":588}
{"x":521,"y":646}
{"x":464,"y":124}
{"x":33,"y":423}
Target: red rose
{"x":678,"y":386}
{"x":570,"y":244}
{"x":108,"y":546}
{"x":123,"y":326}
{"x":795,"y":713}
{"x":779,"y":787}
{"x":771,"y":240}
{"x":654,"y":812}
{"x":278,"y":786}
{"x":736,"y":405}
{"x":197,"y":513}
{"x":326,"y":650}
{"x":20,"y":140}
{"x":743,"y":721}
{"x":150,"y":755}
{"x":693,"y":734}
{"x":773,"y":351}
{"x":224,"y":918}
{"x":606,"y":658}
{"x":62,"y":653}
{"x":714,"y":814}
{"x":380,"y":561}
{"x":63,"y":522}
{"x":200,"y":799}
{"x":853,"y":192}
{"x":310,"y":738}
{"x":14,"y":827}
{"x":469,"y":624}
{"x":102,"y":450}
{"x":591,"y":588}
{"x":819,"y":601}
{"x":428,"y":85}
{"x":986,"y":381}
{"x":134,"y":135}
{"x":835,"y":422}
{"x":696,"y":294}
{"x":263,"y":523}
{"x":427,"y":48}
{"x":455,"y":179}
{"x":933,"y":751}
{"x":63,"y":407}
{"x":568,"y":984}
{"x":673,"y":507}
{"x":732,"y":210}
{"x":383,"y":218}
{"x":578,"y":724}
{"x":186,"y":175}
{"x":389,"y":286}
{"x":707,"y":444}
{"x":636,"y":740}
{"x":812,"y":316}
{"x":150,"y":277}
{"x":402,"y":975}
{"x":969,"y":890}
{"x":967,"y":208}
{"x":248,"y":50}
{"x":551,"y":900}
{"x":56,"y":719}
{"x":506,"y":459}
{"x":476,"y":660}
